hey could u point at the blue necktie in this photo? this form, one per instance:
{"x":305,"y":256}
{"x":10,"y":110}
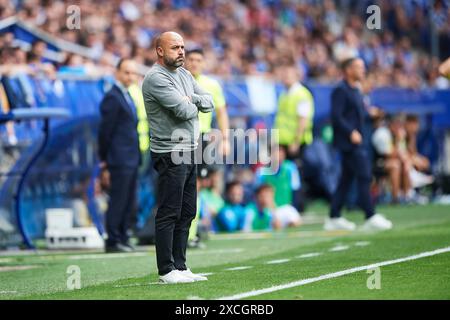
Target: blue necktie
{"x":131,"y":104}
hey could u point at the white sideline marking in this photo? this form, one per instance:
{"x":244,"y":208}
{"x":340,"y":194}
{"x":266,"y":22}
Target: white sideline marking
{"x":239,"y":268}
{"x":194,"y":298}
{"x":8,"y":292}
{"x":219,"y":251}
{"x":108,"y":255}
{"x":333,"y":275}
{"x":145,"y":254}
{"x":278,"y":261}
{"x":134,"y":285}
{"x":309,"y":255}
{"x":17,"y":268}
{"x":362,"y":243}
{"x":205,"y":274}
{"x":339,"y":248}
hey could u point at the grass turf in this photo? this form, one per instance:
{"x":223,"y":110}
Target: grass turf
{"x":133,"y":276}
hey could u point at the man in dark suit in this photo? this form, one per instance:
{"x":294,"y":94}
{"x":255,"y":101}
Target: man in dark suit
{"x":119,"y":152}
{"x":347,"y":116}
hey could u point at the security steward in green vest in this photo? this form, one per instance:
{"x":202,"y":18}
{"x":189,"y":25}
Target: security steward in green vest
{"x":294,"y":121}
{"x":195,"y":63}
{"x":294,"y":118}
{"x":142,"y":127}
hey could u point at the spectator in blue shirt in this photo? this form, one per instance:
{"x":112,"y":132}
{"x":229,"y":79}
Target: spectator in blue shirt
{"x":232,"y":216}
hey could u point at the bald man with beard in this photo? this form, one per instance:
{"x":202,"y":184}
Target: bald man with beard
{"x":173,"y":100}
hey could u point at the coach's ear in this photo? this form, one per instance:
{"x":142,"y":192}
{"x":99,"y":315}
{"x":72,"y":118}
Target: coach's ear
{"x":160,"y":51}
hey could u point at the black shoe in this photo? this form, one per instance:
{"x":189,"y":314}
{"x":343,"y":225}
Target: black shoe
{"x":128,"y":245}
{"x":117,"y":248}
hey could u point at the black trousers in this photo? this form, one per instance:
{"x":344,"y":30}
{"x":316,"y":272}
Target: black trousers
{"x":122,"y":204}
{"x":177,"y":206}
{"x":355,"y":164}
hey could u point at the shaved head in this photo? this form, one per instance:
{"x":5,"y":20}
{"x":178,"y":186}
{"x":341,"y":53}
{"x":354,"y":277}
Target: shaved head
{"x":167,"y":36}
{"x":170,"y":49}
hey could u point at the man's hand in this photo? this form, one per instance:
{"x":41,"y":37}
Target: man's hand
{"x":444,"y":68}
{"x":375,"y":112}
{"x":187,"y":98}
{"x":105,"y":176}
{"x":225,"y":147}
{"x":356,"y":137}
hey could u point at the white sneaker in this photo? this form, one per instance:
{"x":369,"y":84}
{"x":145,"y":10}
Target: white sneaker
{"x":377,"y":222}
{"x":174,"y":276}
{"x":196,"y":277}
{"x":333,"y":224}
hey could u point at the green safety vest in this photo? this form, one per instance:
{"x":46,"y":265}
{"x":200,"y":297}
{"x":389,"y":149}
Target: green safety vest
{"x":142,"y":127}
{"x":286,"y":120}
{"x":213,"y":87}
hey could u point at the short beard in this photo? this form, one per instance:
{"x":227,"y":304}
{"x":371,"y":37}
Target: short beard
{"x":172,"y":62}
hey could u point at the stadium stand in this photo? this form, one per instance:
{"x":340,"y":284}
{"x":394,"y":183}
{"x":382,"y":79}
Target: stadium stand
{"x":244,"y":41}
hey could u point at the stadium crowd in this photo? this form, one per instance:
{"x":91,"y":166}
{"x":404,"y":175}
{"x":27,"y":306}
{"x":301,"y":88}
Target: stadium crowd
{"x":241,"y":38}
{"x":246,"y":37}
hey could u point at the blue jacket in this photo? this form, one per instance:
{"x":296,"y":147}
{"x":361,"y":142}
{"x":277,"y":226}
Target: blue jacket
{"x":118,"y":141}
{"x":347,"y":114}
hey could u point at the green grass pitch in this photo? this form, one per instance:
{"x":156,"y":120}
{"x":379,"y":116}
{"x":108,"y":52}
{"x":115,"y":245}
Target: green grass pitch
{"x":263,"y":260}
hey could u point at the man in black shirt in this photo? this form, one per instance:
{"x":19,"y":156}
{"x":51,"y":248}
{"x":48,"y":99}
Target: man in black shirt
{"x":347,"y":115}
